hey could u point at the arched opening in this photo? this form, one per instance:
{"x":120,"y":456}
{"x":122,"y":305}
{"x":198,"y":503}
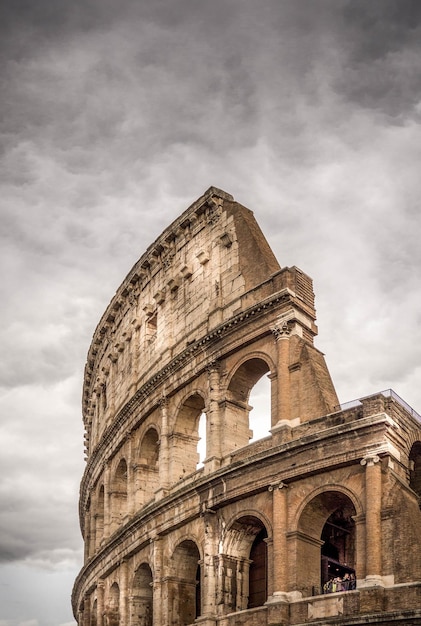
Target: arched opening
{"x":237,"y":431}
{"x":185,"y":590}
{"x":141,"y":599}
{"x":118,"y":496}
{"x":185,"y":438}
{"x":201,"y":444}
{"x":112,"y":609}
{"x":244,"y":584}
{"x":146,"y":476}
{"x":337,"y":560}
{"x":415,"y":469}
{"x":149,"y":449}
{"x":99,"y":518}
{"x":325,"y":542}
{"x":258,"y":591}
{"x":260,"y":413}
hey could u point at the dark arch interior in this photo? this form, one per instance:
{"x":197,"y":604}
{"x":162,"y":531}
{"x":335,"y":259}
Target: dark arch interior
{"x":415,"y":469}
{"x":141,"y":600}
{"x":188,"y":571}
{"x":258,"y":571}
{"x":337,"y":553}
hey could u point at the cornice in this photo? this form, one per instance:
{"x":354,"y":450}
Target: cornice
{"x":207,"y":483}
{"x":207,"y":210}
{"x":178,"y":363}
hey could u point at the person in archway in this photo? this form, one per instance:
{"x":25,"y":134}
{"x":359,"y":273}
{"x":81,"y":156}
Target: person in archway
{"x":346,"y":581}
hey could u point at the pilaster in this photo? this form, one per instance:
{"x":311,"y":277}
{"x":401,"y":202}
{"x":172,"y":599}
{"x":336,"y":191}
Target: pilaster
{"x":164,"y":459}
{"x":213,"y":421}
{"x":100,"y":603}
{"x":373,"y":548}
{"x":124,"y":592}
{"x":280,"y":549}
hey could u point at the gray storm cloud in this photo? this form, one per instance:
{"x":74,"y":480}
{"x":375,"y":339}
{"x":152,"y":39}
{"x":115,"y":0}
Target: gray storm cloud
{"x":115,"y":117}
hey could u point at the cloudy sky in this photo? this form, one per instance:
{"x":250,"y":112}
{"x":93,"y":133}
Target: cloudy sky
{"x":115,"y":117}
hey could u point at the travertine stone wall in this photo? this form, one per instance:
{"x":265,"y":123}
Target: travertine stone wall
{"x":246,"y":536}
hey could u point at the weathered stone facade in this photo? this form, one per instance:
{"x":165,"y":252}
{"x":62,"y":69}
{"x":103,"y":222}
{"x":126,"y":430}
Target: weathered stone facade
{"x":251,"y":536}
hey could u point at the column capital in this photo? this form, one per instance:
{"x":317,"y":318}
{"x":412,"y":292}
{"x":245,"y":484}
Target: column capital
{"x":163,"y":400}
{"x":275,"y":486}
{"x":213,"y":367}
{"x":281,"y":329}
{"x":370,"y":460}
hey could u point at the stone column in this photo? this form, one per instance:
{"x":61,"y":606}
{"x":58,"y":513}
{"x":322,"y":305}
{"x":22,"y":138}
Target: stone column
{"x":164,"y":458}
{"x":107,"y":512}
{"x":86,"y":611}
{"x":282,"y":332}
{"x":111,"y":390}
{"x":242,"y":581}
{"x":280,"y":549}
{"x":124,"y":593}
{"x":160,"y":611}
{"x":210,"y":520}
{"x":373,"y":491}
{"x":100,"y":603}
{"x":135,"y":350}
{"x":130,"y":478}
{"x":213,"y":420}
{"x":88,"y":531}
{"x":360,"y":542}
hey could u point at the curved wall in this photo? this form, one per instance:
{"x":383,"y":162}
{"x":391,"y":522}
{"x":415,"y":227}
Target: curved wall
{"x":200,"y":319}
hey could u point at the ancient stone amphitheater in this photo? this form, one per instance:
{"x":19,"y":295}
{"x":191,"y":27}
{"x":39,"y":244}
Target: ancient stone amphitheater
{"x":234,"y":530}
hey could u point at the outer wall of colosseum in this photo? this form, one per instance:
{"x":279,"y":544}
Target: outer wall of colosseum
{"x":187,"y":518}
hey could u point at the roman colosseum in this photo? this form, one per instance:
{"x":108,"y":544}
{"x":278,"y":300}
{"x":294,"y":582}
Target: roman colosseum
{"x":190,"y":517}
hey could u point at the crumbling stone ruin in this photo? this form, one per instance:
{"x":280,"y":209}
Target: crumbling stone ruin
{"x":318,"y":522}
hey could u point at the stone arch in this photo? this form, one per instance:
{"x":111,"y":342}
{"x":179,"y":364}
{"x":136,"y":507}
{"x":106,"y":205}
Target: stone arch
{"x":244,"y":376}
{"x":118,"y":495}
{"x":146,"y":468}
{"x":325,"y":538}
{"x":185,"y":586}
{"x":185,"y":436}
{"x":149,"y":446}
{"x":415,"y":469}
{"x":141,"y":597}
{"x":247,"y":513}
{"x":244,"y":577}
{"x":323,"y":489}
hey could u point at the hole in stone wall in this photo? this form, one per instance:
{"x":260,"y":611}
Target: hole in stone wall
{"x":201,"y":445}
{"x":259,"y":416}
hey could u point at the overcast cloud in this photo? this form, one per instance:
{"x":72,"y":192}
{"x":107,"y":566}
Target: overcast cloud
{"x":115,"y":117}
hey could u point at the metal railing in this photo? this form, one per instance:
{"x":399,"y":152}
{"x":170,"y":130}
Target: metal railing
{"x":387,"y":393}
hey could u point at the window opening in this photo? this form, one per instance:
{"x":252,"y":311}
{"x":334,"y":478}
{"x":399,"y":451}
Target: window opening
{"x":152,"y":327}
{"x":260,"y":415}
{"x":415,"y":470}
{"x":201,"y":444}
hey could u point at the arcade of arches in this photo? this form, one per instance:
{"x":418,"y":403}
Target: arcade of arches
{"x":197,"y":508}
